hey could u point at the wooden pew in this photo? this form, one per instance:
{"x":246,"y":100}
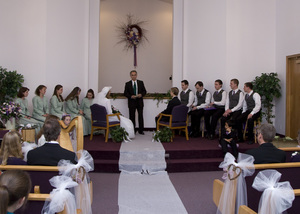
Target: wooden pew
{"x":289,"y":171}
{"x":217,"y":191}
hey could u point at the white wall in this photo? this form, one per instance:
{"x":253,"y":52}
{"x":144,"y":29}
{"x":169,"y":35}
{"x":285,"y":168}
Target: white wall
{"x":48,"y":42}
{"x":56,"y":41}
{"x":154,"y":58}
{"x":287,"y":43}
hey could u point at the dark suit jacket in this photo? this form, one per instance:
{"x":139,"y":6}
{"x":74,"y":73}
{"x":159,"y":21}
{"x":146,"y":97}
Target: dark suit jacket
{"x":267,"y":153}
{"x":172,"y":103}
{"x":49,"y":155}
{"x":128,"y":92}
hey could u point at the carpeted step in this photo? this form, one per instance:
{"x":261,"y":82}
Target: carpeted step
{"x":193,"y":165}
{"x":108,"y":166}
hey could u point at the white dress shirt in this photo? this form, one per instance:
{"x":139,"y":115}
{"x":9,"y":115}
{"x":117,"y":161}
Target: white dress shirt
{"x":257,"y":100}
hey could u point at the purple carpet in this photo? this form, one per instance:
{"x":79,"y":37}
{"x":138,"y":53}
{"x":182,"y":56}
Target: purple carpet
{"x":196,"y":154}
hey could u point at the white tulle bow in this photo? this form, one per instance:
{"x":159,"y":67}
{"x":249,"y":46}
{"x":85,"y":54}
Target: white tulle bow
{"x":234,"y":193}
{"x":79,"y":173}
{"x":60,"y":197}
{"x":277,"y":196}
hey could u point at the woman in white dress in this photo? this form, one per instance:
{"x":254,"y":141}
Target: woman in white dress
{"x":102,"y":100}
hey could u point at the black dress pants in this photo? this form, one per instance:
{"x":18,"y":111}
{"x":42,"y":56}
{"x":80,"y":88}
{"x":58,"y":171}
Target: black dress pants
{"x":211,"y":118}
{"x":242,"y":119}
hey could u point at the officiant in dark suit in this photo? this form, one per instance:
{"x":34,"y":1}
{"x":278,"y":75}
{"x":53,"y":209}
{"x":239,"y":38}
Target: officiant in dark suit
{"x":135,"y":91}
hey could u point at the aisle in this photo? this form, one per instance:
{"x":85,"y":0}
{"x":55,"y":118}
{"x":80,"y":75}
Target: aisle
{"x":144,"y":186}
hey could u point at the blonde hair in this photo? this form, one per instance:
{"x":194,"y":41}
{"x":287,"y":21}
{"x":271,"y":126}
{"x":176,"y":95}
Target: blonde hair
{"x":11,"y":146}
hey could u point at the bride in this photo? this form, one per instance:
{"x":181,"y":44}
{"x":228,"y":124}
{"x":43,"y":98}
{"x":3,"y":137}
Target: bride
{"x":102,"y":100}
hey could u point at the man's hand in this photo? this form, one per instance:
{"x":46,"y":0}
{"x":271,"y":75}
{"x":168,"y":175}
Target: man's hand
{"x":250,"y":116}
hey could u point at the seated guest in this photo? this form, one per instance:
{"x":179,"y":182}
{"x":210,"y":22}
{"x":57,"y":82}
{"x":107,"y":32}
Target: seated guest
{"x":85,"y":107}
{"x":172,"y":103}
{"x":215,"y":110}
{"x":73,"y":107}
{"x":233,"y":105}
{"x":40,"y":104}
{"x":40,"y":136}
{"x":251,"y":112}
{"x":229,"y":138}
{"x":15,"y":186}
{"x":266,"y":152}
{"x":11,"y":149}
{"x":25,"y":114}
{"x":57,"y":102}
{"x":202,"y":100}
{"x":186,"y":95}
{"x":51,"y":152}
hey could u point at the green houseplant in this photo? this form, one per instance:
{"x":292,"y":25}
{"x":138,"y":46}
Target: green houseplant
{"x":267,"y":85}
{"x":10,"y":82}
{"x":163,"y":135}
{"x":118,"y":134}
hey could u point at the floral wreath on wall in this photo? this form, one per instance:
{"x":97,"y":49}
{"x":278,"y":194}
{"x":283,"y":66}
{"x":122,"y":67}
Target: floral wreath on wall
{"x":132,"y":34}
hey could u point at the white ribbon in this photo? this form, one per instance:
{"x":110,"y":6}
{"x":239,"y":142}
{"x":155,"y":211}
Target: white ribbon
{"x":82,"y":192}
{"x":234,"y":193}
{"x":60,"y":197}
{"x":277,"y":196}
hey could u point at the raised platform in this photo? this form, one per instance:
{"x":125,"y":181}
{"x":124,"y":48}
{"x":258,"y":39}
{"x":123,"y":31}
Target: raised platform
{"x":197,"y":154}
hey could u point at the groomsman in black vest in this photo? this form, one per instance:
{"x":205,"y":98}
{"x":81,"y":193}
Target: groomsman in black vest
{"x":234,"y":104}
{"x":135,"y":91}
{"x":186,"y":95}
{"x":251,"y":111}
{"x":216,"y":109}
{"x":202,"y":100}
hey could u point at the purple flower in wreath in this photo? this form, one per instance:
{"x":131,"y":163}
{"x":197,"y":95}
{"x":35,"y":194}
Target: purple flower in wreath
{"x":132,"y":35}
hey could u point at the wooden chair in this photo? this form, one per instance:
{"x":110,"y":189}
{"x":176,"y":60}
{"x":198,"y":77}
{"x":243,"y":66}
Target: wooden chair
{"x":65,"y":140}
{"x":177,"y":120}
{"x":100,"y":120}
{"x":256,"y":123}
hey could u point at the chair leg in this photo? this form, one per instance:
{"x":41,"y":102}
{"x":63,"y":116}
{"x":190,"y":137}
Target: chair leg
{"x":255,"y":138}
{"x":92,"y":131}
{"x":186,"y":133}
{"x":106,"y":134}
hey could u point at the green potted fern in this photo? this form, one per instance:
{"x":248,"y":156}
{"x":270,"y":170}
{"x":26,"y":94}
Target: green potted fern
{"x":163,"y":135}
{"x":118,"y":134}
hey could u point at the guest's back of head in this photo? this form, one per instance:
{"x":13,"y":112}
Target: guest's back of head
{"x":51,"y":130}
{"x":267,"y":131}
{"x":11,"y":146}
{"x":15,"y":186}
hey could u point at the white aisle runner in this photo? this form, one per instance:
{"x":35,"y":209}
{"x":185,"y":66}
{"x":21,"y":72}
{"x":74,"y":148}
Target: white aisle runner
{"x":151,"y":193}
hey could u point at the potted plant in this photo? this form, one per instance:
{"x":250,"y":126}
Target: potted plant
{"x":10,"y":82}
{"x":118,"y":134}
{"x":268,"y":87}
{"x":163,"y":135}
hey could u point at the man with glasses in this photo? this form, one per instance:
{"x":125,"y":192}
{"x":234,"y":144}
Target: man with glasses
{"x":266,"y":152}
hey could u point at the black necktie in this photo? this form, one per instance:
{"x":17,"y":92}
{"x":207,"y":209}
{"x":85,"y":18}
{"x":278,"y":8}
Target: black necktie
{"x":134,"y":88}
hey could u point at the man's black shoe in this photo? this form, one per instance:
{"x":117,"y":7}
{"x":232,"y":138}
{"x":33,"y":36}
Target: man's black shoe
{"x":240,"y":140}
{"x":211,"y":137}
{"x":142,"y":133}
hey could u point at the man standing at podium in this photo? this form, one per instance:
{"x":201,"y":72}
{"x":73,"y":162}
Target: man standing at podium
{"x":135,"y":91}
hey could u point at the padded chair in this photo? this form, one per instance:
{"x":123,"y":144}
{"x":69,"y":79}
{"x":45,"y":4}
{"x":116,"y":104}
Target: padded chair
{"x":256,"y":123}
{"x":177,"y":120}
{"x":100,"y":120}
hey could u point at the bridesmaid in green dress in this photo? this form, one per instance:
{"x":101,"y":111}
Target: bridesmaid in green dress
{"x":40,"y":104}
{"x":57,"y":102}
{"x":85,"y":107}
{"x":26,"y":116}
{"x":73,"y":108}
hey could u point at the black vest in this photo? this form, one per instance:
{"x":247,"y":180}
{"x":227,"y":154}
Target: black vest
{"x":218,"y":97}
{"x":250,"y":102}
{"x":234,"y":99}
{"x":184,"y":97}
{"x":201,"y":99}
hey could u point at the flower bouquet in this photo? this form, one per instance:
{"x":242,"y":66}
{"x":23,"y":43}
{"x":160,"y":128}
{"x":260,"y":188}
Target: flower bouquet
{"x":9,"y":111}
